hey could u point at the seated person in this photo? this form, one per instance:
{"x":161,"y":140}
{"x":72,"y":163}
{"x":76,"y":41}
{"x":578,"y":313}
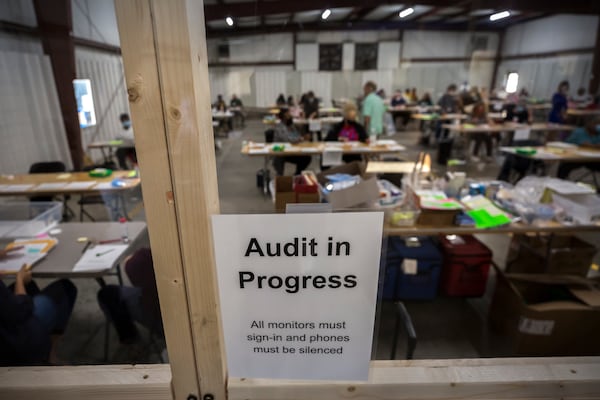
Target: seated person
{"x":286,"y":132}
{"x":582,"y":99}
{"x":589,"y":137}
{"x":479,"y":117}
{"x":236,"y":103}
{"x":125,"y":153}
{"x":403,"y":115}
{"x":220,"y":104}
{"x":32,"y":320}
{"x":426,"y":100}
{"x":280,"y":100}
{"x":348,"y":131}
{"x":125,"y":304}
{"x":519,"y":165}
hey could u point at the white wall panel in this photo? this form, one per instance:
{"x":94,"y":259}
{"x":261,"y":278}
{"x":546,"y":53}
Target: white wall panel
{"x":541,"y":76}
{"x":434,"y":44}
{"x":31,"y":127}
{"x":348,"y":56}
{"x":559,"y":32}
{"x":383,"y":79}
{"x":307,"y":57}
{"x":109,"y":91}
{"x":267,"y":85}
{"x":388,"y":56}
{"x":10,"y":42}
{"x":319,"y":83}
{"x":18,"y":11}
{"x":95,"y":20}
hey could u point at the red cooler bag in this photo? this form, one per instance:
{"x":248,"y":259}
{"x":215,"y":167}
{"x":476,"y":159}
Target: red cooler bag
{"x":465,"y":267}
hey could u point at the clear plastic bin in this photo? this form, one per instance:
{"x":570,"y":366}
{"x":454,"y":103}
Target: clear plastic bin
{"x":28,"y":219}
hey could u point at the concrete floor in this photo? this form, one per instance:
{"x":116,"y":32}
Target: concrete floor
{"x":446,"y":327}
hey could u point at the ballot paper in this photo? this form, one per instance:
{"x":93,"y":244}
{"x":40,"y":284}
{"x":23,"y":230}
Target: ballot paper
{"x":80,"y":185}
{"x":262,"y":150}
{"x":522,"y":134}
{"x":32,"y":252}
{"x":16,"y":188}
{"x":99,"y":258}
{"x":332,"y":157}
{"x":104,"y":186}
{"x":49,"y":186}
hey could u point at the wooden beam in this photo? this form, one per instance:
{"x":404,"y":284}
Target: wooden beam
{"x":478,"y":379}
{"x":55,"y":25}
{"x":166,"y":72}
{"x":497,"y":60}
{"x":98,"y":382}
{"x":475,"y":379}
{"x":594,"y":84}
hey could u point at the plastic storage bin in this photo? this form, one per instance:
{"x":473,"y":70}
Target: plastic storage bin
{"x":466,"y":266}
{"x":28,"y":219}
{"x":402,"y":280}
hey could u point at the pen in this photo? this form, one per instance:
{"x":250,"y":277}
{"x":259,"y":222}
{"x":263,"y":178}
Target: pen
{"x":103,"y":253}
{"x":87,"y":245}
{"x":110,"y":241}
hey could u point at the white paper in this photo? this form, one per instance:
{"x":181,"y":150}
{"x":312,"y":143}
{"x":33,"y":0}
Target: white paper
{"x":104,"y":186}
{"x":80,"y":185}
{"x":314,"y":125}
{"x":100,"y":257}
{"x":409,"y":266}
{"x":332,"y":157}
{"x":30,"y":255}
{"x":17,"y":188}
{"x":263,"y":150}
{"x":521,"y":134}
{"x":583,"y":153}
{"x":246,"y":306}
{"x":49,"y":186}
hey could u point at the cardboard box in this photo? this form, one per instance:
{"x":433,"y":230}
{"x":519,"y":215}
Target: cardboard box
{"x":366,"y":191}
{"x":559,"y":254}
{"x":285,"y":194}
{"x":547,"y":315}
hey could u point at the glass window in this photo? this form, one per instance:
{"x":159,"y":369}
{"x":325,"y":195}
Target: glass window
{"x":85,"y":102}
{"x":365,"y":56}
{"x":330,"y":57}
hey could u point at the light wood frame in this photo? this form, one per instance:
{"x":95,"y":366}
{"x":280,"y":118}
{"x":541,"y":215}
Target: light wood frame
{"x":164,"y":53}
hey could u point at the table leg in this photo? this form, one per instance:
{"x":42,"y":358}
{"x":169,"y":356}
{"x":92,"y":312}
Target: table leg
{"x":121,"y":199}
{"x":266,"y":176}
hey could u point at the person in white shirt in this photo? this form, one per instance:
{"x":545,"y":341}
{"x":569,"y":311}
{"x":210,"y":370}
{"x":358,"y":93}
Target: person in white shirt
{"x":582,"y":99}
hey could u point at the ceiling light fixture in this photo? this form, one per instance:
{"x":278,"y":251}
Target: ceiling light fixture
{"x":326,"y":14}
{"x":229,"y":21}
{"x":500,"y":15}
{"x":406,"y":12}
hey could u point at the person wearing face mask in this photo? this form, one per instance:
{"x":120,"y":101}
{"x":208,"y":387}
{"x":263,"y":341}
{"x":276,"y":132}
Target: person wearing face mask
{"x":128,"y":151}
{"x":286,"y":132}
{"x":348,"y":131}
{"x":587,"y":137}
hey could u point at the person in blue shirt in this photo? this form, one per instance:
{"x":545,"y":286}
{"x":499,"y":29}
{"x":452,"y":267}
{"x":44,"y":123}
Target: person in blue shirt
{"x":588,"y":137}
{"x":558,"y":113}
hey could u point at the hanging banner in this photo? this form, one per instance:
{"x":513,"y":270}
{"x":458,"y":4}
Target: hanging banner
{"x":298,"y":293}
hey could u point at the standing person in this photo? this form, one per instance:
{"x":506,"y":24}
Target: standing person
{"x":310,"y":105}
{"x":479,"y":117}
{"x":449,"y":104}
{"x":236,"y":104}
{"x":349,"y":130}
{"x":286,"y":132}
{"x":558,"y":113}
{"x":32,"y":321}
{"x":373,"y":110}
{"x":124,"y":153}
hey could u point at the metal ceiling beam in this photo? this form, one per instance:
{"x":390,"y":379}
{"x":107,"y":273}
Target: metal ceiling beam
{"x":359,"y":13}
{"x":344,"y":26}
{"x":247,"y":9}
{"x":428,"y":13}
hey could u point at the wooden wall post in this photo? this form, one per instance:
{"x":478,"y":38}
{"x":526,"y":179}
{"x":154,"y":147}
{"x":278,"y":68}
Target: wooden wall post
{"x":594,"y":83}
{"x":165,"y":60}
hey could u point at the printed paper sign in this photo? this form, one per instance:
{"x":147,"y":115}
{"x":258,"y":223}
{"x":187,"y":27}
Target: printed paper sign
{"x":298,"y":293}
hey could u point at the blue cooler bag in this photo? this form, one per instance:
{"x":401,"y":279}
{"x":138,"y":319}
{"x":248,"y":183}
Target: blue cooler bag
{"x":402,"y":280}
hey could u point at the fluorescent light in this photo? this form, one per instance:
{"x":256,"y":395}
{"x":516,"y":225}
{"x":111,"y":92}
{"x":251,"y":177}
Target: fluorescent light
{"x":512,"y":82}
{"x":406,"y":12}
{"x":500,"y":15}
{"x":229,"y":21}
{"x":326,"y":14}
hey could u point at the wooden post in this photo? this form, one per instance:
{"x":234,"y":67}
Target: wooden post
{"x":55,"y":25}
{"x":165,"y":61}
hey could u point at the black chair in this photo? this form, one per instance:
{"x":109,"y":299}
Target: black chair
{"x":48,"y":167}
{"x":269,"y":136}
{"x":403,"y":319}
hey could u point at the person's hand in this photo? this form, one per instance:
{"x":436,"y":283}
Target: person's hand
{"x":342,"y":139}
{"x":24,"y":274}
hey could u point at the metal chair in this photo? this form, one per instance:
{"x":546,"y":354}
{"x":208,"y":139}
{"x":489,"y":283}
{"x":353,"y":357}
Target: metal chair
{"x":403,"y":319}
